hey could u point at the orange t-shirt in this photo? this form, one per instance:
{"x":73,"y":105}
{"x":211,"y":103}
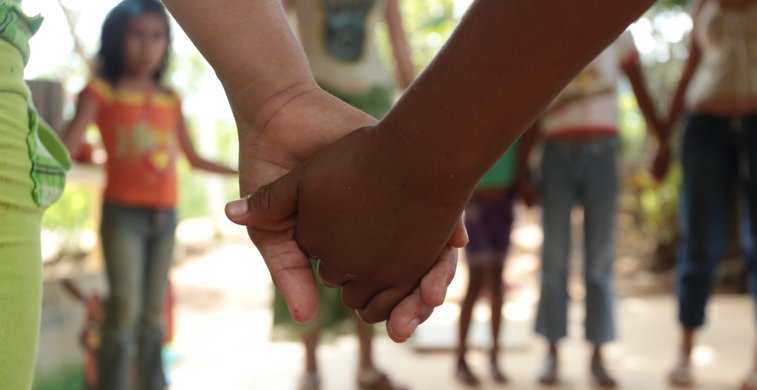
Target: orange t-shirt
{"x":139,"y":134}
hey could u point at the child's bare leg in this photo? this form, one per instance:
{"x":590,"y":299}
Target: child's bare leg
{"x":475,"y":284}
{"x":365,"y":342}
{"x":750,"y":382}
{"x":311,"y":379}
{"x":369,"y":377}
{"x":598,"y":370}
{"x":497,"y":299}
{"x":548,"y":374}
{"x":681,"y":374}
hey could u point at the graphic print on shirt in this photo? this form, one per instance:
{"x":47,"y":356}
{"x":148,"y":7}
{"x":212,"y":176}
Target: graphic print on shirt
{"x":587,"y":84}
{"x":143,"y":143}
{"x":345,"y":27}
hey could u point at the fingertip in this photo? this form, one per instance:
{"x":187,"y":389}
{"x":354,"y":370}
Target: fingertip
{"x":406,"y":317}
{"x":393,"y":335}
{"x":303,"y":313}
{"x":236,"y":210}
{"x":433,"y":294}
{"x":459,"y":237}
{"x":301,"y":317}
{"x":301,"y":297}
{"x":396,"y":332}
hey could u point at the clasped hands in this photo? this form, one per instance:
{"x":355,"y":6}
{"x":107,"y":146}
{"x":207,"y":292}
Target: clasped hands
{"x":362,"y":207}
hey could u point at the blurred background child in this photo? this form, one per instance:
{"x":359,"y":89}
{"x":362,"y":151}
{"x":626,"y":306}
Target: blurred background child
{"x":143,"y":131}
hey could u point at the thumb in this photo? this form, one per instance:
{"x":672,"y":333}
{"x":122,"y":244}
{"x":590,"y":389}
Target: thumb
{"x":273,"y":203}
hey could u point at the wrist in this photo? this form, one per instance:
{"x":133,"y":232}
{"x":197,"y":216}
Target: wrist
{"x":256,"y":103}
{"x":418,"y":170}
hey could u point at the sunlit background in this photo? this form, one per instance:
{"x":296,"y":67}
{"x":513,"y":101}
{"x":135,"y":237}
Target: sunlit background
{"x":223,"y":290}
{"x":69,"y":39}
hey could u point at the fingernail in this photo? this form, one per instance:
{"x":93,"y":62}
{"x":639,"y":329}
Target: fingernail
{"x":237,"y":208}
{"x":413,"y":324}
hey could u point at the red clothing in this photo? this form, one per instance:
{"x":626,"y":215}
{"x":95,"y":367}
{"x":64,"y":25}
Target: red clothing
{"x":139,"y":131}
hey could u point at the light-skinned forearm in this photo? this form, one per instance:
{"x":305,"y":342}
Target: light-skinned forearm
{"x":677,"y":102}
{"x":503,"y":65}
{"x":251,"y":48}
{"x":643,"y":99}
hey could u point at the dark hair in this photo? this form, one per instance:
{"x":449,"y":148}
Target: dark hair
{"x":111,"y":55}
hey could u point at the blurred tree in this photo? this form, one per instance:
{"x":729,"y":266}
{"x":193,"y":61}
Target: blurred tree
{"x":671,"y":3}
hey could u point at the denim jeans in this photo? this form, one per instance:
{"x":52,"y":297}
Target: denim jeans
{"x":574,"y":172}
{"x":138,"y":246}
{"x":719,"y":153}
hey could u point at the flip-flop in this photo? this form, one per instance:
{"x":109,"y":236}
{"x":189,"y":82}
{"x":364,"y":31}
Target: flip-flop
{"x":750,"y":382}
{"x":548,"y":375}
{"x":373,"y":379}
{"x":466,"y":377}
{"x":311,"y":381}
{"x":603,"y":379}
{"x":497,"y":375}
{"x":681,"y":377}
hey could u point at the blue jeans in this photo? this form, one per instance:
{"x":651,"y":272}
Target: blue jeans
{"x":138,"y":246}
{"x":718,"y":155}
{"x":584,"y":172}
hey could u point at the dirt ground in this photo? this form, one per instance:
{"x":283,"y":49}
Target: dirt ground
{"x":224,"y":324}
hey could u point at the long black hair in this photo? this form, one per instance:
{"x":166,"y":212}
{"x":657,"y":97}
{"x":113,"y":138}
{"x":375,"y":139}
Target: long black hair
{"x":111,"y":55}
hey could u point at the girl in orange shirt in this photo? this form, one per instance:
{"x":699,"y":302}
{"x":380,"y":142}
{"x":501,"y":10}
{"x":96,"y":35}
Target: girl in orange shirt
{"x":143,"y":130}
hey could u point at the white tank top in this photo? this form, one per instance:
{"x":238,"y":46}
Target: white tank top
{"x":728,"y":65}
{"x":593,"y":94}
{"x":353,"y":69}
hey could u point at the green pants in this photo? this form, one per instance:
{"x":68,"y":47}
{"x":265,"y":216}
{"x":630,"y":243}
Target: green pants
{"x":32,"y":165}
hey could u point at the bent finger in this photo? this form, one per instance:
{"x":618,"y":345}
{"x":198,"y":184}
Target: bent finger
{"x":292,"y":274}
{"x":406,"y":317}
{"x":380,"y":306}
{"x":459,"y":237}
{"x":433,"y":288}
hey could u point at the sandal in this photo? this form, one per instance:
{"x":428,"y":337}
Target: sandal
{"x":681,"y":376}
{"x":465,"y":375}
{"x":750,"y":382}
{"x":603,"y":379}
{"x":497,"y":375}
{"x":548,"y":376}
{"x":310,"y":381}
{"x":373,"y":379}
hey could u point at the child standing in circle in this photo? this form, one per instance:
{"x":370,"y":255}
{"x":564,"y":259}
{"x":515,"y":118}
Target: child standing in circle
{"x":579,"y":165}
{"x":143,"y":130}
{"x":488,"y":220}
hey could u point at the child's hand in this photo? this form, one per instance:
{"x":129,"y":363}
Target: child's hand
{"x":297,"y":130}
{"x":362,"y":208}
{"x":661,"y":162}
{"x":528,"y":194}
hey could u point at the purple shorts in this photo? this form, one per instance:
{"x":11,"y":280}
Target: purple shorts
{"x":488,"y":223}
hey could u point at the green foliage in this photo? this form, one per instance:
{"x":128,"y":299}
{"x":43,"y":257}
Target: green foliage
{"x":668,"y":4}
{"x":69,"y":376}
{"x":71,"y":211}
{"x":428,"y":25}
{"x":648,"y":216}
{"x":70,"y":215}
{"x":192,"y":200}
